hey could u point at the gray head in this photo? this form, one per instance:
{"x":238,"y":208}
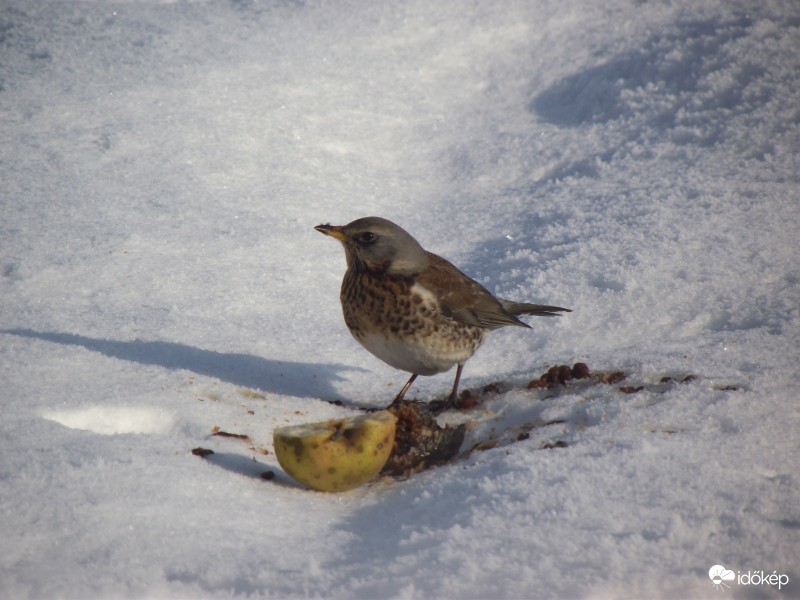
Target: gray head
{"x":376,"y":244}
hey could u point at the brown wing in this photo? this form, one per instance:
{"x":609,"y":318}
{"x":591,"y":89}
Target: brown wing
{"x":463,"y":299}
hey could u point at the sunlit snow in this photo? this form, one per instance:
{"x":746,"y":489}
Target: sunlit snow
{"x":162,"y":167}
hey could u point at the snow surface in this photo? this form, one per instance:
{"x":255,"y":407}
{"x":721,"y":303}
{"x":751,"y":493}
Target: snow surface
{"x":161,"y":171}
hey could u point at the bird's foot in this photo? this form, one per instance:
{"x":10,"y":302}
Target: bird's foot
{"x":437,"y":407}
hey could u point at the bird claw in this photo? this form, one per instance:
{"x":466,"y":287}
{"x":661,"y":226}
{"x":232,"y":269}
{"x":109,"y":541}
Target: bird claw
{"x":437,"y":407}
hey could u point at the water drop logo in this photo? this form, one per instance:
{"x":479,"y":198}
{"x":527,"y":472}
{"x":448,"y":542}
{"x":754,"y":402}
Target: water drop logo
{"x":719,"y":575}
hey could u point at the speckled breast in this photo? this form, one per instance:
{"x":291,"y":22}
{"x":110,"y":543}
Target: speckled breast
{"x":400,"y":322}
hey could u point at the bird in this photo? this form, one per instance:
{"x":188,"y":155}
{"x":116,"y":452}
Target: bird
{"x":413,"y":309}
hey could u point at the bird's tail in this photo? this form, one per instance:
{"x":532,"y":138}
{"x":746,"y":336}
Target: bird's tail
{"x":539,"y":310}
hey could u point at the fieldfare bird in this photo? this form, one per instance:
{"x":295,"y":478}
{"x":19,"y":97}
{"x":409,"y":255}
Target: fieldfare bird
{"x":413,"y":309}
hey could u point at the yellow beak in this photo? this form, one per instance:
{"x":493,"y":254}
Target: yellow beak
{"x":335,"y":231}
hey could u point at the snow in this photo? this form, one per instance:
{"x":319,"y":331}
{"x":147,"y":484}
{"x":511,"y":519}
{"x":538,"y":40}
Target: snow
{"x":161,"y":171}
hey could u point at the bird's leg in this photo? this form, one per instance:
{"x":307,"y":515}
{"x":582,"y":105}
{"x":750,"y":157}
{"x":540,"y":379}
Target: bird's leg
{"x":451,"y":400}
{"x":399,"y":398}
{"x":439,"y":406}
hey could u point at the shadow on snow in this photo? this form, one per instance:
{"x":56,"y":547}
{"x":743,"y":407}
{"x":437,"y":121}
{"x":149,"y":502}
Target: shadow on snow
{"x":308,"y":380}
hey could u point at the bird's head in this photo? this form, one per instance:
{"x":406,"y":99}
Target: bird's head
{"x":376,"y":244}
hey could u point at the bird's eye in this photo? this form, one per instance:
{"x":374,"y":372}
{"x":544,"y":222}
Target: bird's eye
{"x":366,"y":238}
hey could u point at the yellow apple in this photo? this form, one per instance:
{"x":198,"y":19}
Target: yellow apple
{"x":337,"y":455}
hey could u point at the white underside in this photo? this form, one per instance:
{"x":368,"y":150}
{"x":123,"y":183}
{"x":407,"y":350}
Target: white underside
{"x":413,"y":358}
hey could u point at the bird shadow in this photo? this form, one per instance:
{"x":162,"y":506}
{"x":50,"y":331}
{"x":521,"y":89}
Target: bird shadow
{"x":306,"y":380}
